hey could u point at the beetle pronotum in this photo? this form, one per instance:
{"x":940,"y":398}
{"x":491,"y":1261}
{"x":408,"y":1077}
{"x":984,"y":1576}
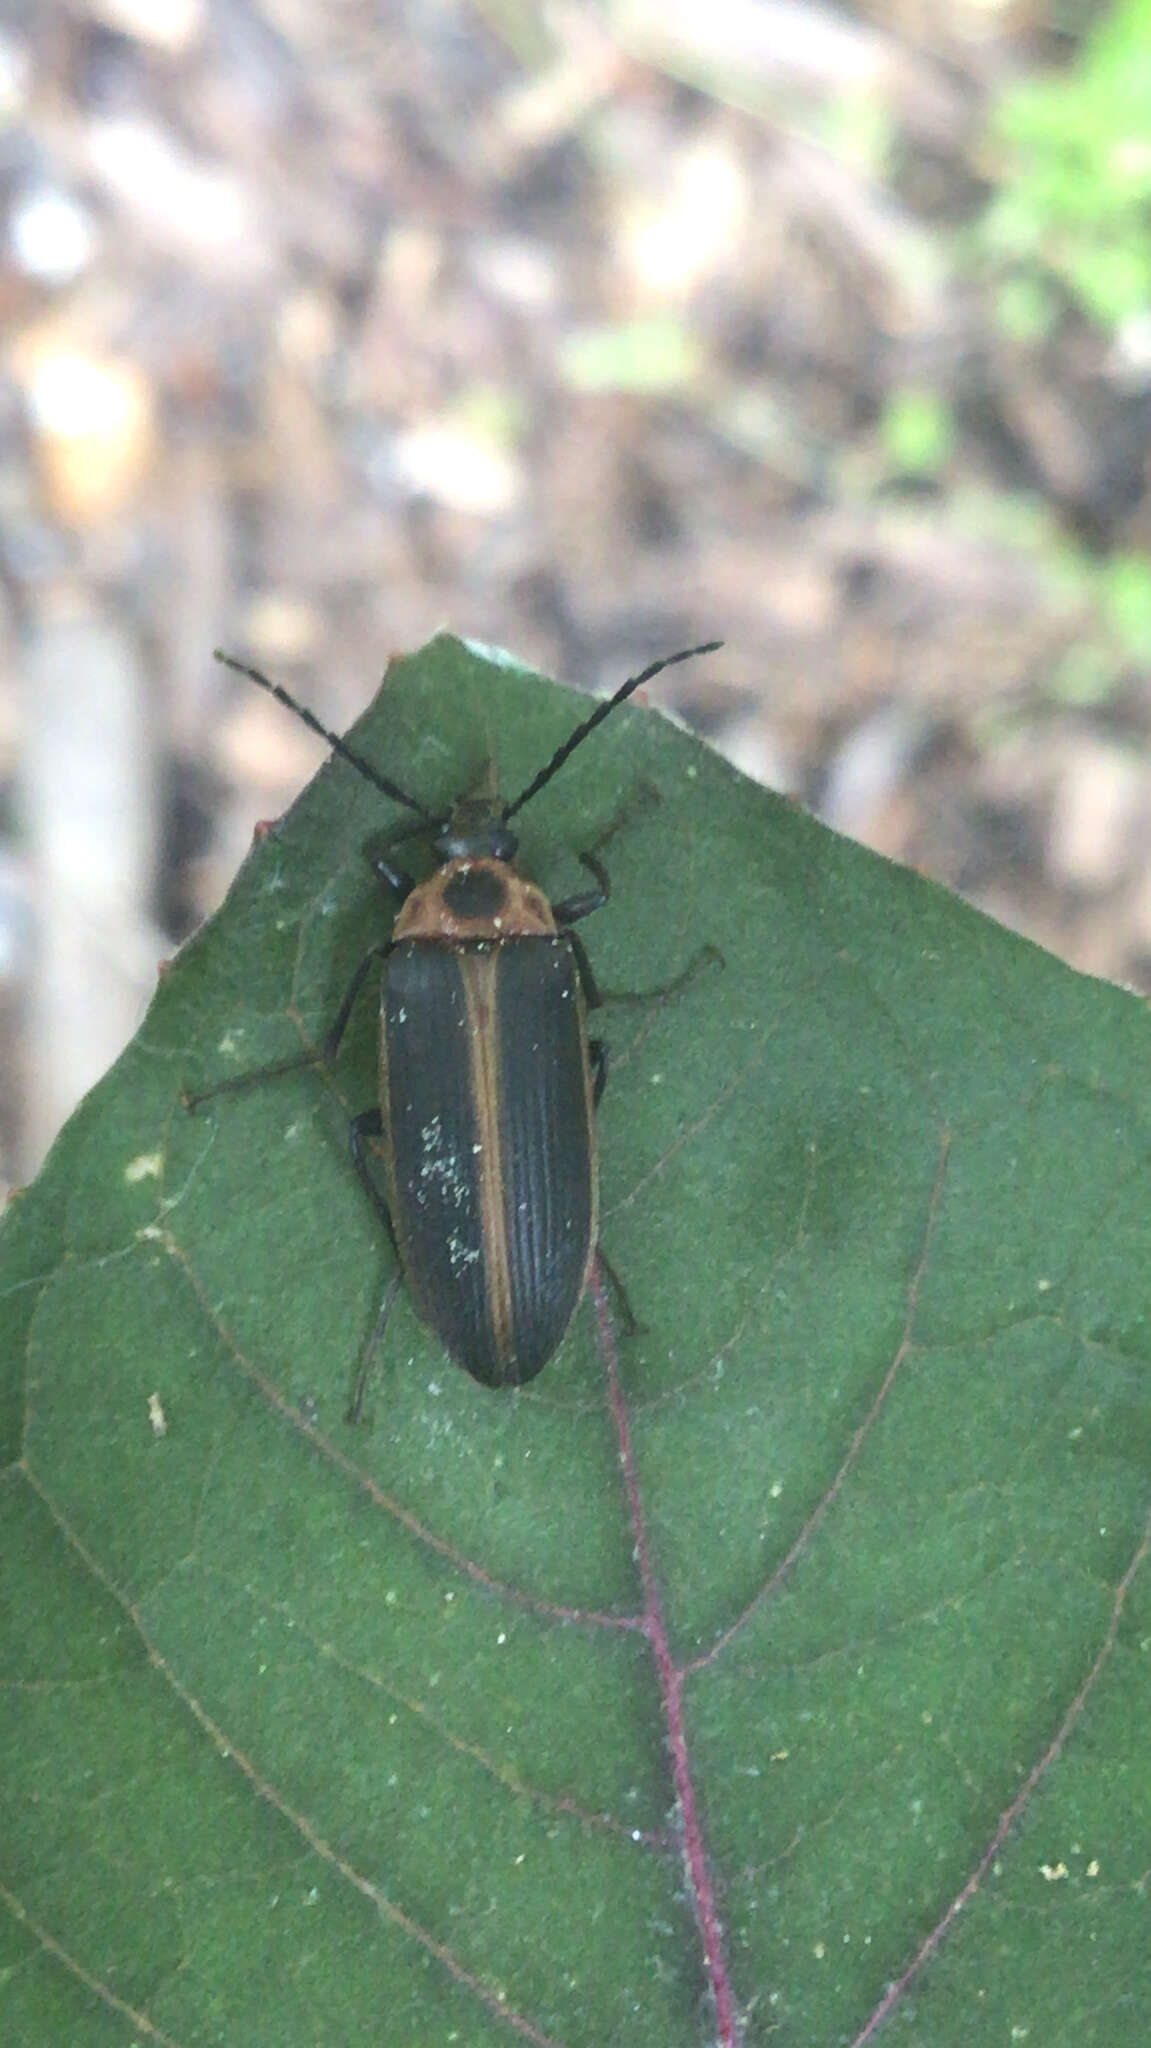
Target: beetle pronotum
{"x":488,"y":1080}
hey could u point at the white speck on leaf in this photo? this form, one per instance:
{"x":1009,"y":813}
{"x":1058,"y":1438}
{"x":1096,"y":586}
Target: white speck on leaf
{"x":145,"y":1166}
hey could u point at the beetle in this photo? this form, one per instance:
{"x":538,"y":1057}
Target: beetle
{"x":488,"y":1078}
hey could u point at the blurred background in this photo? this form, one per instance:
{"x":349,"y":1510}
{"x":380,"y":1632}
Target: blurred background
{"x":588,"y":330}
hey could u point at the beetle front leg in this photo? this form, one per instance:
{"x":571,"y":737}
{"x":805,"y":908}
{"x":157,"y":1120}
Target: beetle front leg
{"x":393,"y":877}
{"x":574,"y":907}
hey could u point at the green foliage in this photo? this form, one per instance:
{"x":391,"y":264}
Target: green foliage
{"x":1073,"y":160}
{"x":1126,"y":594}
{"x":313,"y":1735}
{"x":1117,"y":590}
{"x":918,"y":432}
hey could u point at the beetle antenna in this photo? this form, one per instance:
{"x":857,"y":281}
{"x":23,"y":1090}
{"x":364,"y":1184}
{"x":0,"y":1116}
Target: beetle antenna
{"x":602,"y":711}
{"x":333,"y":739}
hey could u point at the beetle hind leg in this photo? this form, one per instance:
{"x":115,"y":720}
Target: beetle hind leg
{"x":369,"y":1124}
{"x":632,"y":1327}
{"x":598,"y":1057}
{"x":368,"y":1356}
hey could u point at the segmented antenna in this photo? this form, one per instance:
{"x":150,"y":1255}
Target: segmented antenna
{"x":333,"y":739}
{"x":601,"y":712}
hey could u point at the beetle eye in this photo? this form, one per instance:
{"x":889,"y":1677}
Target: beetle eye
{"x":475,"y":892}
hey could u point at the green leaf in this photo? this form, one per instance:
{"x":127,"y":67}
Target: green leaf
{"x":681,"y":1696}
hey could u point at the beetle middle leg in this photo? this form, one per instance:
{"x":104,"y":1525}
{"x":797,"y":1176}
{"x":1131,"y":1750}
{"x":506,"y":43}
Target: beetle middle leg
{"x":595,"y":996}
{"x":706,"y":956}
{"x":318,"y":1056}
{"x":394,"y":878}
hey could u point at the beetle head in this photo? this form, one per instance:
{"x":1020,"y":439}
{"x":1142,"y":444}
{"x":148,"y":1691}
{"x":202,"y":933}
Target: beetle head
{"x":476,"y":830}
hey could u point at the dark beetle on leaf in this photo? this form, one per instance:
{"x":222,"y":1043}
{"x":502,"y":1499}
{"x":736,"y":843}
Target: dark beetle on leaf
{"x":488,"y":1080}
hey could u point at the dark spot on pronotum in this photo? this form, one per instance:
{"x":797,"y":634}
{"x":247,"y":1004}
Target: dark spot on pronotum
{"x":475,"y":892}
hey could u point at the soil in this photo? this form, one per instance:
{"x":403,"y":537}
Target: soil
{"x":322,"y":327}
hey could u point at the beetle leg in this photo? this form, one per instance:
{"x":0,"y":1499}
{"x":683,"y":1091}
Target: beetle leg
{"x":587,"y":980}
{"x":369,"y":1124}
{"x":335,"y":1037}
{"x":707,"y":956}
{"x":575,"y":907}
{"x":319,"y":1056}
{"x":598,"y":1055}
{"x":392,"y":877}
{"x":631,"y":1325}
{"x":355,"y":1414}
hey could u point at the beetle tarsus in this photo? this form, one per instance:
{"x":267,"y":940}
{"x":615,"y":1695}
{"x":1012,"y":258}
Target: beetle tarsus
{"x":355,"y":1414}
{"x":707,"y":956}
{"x":632,"y":1327}
{"x":235,"y":1082}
